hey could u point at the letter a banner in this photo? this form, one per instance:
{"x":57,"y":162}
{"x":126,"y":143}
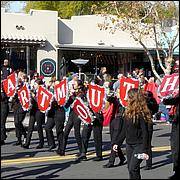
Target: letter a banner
{"x":44,"y":98}
{"x":9,"y":85}
{"x":82,"y":111}
{"x":96,"y":97}
{"x":125,"y":85}
{"x":61,"y":92}
{"x":24,"y":97}
{"x":169,"y":84}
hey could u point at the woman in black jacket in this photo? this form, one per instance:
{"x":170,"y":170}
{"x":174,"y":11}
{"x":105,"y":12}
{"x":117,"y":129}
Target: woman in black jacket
{"x":136,"y":116}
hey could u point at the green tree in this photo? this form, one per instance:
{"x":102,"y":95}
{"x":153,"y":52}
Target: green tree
{"x":65,"y":9}
{"x":145,"y":19}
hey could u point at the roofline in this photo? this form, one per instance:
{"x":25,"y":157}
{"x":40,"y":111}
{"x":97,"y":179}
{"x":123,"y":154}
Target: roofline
{"x":99,"y":48}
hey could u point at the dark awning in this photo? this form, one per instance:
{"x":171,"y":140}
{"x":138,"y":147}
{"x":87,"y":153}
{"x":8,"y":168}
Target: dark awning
{"x":98,"y":48}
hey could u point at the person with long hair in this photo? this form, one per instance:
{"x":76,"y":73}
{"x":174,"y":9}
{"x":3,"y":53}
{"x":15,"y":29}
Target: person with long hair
{"x":137,"y":116}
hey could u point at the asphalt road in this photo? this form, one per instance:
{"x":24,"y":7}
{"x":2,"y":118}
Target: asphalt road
{"x":19,"y":163}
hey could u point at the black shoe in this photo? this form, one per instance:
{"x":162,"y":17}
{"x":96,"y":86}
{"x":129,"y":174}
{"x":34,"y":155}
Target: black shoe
{"x":52,"y":147}
{"x":121,"y":162}
{"x":78,"y":155}
{"x":18,"y":143}
{"x":40,"y":146}
{"x":25,"y":146}
{"x":61,"y":153}
{"x":108,"y":165}
{"x":173,"y":177}
{"x":147,"y":168}
{"x":2,"y":142}
{"x":82,"y":158}
{"x":98,"y":159}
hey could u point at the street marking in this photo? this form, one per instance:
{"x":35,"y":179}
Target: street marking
{"x":66,"y":157}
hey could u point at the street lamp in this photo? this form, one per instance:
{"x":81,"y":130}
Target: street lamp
{"x":80,"y":63}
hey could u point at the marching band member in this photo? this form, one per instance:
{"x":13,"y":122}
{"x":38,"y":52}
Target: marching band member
{"x":174,"y":134}
{"x":96,"y":127}
{"x":4,"y":114}
{"x":117,"y":131}
{"x":19,"y":116}
{"x":136,"y":116}
{"x":55,"y":117}
{"x":73,"y":120}
{"x":35,"y":116}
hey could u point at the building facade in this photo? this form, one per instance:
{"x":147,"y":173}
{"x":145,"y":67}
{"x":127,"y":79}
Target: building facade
{"x":41,"y":41}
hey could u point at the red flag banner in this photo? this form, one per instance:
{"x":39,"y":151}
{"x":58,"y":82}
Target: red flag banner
{"x":125,"y":85}
{"x":44,"y":98}
{"x":82,"y":111}
{"x":24,"y":97}
{"x":169,"y":84}
{"x":61,"y":92}
{"x":153,"y":87}
{"x":9,"y":85}
{"x":96,"y":97}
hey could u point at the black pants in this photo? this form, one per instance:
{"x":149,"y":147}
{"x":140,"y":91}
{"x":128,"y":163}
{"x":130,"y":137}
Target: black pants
{"x":18,"y":122}
{"x":39,"y":118}
{"x":149,"y":161}
{"x":117,"y":134}
{"x":175,"y":147}
{"x":4,"y":114}
{"x":133,"y":162}
{"x":97,"y":133}
{"x":57,"y":120}
{"x":73,"y":120}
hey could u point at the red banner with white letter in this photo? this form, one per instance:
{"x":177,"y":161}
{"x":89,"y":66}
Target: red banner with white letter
{"x":125,"y":85}
{"x":169,"y":84}
{"x":82,"y":111}
{"x":96,"y":97}
{"x":61,"y":92}
{"x":154,"y":89}
{"x":24,"y":97}
{"x":9,"y":85}
{"x":44,"y":97}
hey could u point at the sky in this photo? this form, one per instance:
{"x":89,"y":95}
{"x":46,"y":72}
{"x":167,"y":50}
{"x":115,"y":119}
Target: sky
{"x":16,"y":6}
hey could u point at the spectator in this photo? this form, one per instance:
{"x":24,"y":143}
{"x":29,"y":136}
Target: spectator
{"x":6,"y":70}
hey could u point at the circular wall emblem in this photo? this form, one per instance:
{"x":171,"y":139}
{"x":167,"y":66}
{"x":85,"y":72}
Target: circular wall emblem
{"x":47,"y":67}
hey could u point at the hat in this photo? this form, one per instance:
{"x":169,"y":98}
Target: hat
{"x":75,"y":75}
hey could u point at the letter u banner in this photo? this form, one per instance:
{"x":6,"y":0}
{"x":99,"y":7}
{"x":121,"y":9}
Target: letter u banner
{"x":96,"y":97}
